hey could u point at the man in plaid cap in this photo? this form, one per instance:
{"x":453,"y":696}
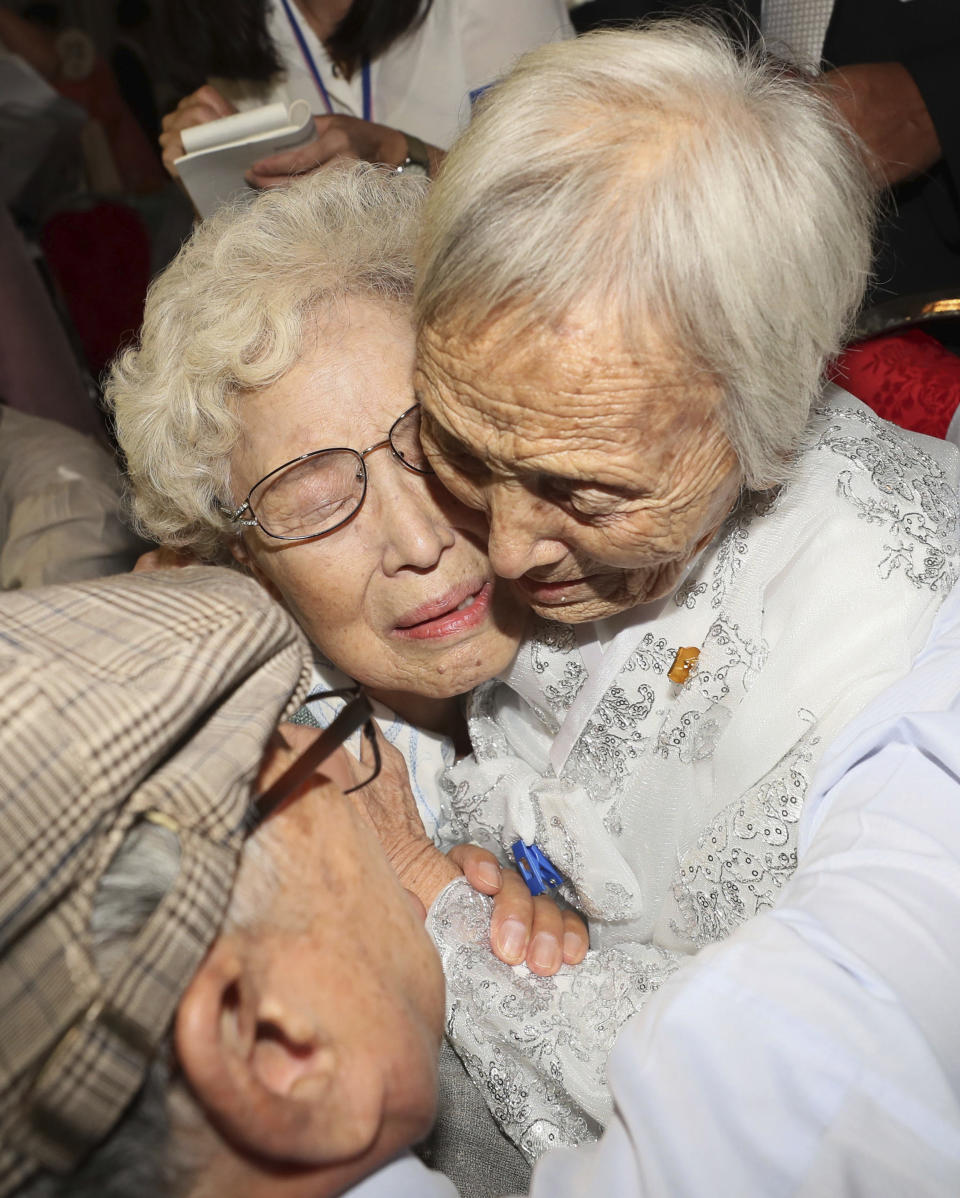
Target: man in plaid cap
{"x":186,"y":1008}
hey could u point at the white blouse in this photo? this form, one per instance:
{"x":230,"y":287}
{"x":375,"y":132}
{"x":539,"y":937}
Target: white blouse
{"x":422,"y":84}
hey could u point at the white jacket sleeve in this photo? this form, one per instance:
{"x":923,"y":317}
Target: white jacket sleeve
{"x":537,"y":1047}
{"x":816,"y":1051}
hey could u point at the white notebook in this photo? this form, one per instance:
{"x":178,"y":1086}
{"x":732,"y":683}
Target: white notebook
{"x":219,"y":153}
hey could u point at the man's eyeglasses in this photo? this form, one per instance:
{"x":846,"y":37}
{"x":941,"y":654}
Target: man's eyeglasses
{"x":320,"y":491}
{"x":356,"y":714}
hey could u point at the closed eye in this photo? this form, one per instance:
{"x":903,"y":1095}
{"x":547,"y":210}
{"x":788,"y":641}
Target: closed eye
{"x":450,"y":450}
{"x":589,"y":502}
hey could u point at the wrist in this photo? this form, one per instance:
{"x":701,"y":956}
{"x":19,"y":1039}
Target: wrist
{"x":416,"y":156}
{"x":423,"y":869}
{"x":394,"y":148}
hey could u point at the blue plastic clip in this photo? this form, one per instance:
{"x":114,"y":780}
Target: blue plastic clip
{"x":535,"y":869}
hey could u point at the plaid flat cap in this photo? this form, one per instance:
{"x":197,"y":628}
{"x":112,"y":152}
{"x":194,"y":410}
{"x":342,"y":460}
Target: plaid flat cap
{"x":141,"y":696}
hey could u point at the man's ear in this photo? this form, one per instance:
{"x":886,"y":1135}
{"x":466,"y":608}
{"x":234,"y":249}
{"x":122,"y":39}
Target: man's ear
{"x":267,"y":1077}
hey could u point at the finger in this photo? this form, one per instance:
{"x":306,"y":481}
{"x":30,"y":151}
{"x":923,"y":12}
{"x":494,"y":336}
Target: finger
{"x":148,"y":562}
{"x":334,"y":143}
{"x":186,"y":116}
{"x":191,"y":112}
{"x":209,"y":96}
{"x":545,"y":951}
{"x":576,"y":938}
{"x":480,"y":867}
{"x":171,"y":148}
{"x":512,"y":919}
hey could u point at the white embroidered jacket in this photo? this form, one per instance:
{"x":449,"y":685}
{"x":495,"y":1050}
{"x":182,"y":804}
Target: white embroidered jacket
{"x":672,"y":810}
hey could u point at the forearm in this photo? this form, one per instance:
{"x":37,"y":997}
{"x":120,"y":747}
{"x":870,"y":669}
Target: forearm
{"x":884,"y":106}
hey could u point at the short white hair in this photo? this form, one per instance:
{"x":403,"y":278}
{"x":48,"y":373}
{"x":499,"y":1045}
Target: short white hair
{"x":676,"y":185}
{"x":229,"y":316}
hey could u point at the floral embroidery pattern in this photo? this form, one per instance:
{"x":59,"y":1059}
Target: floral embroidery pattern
{"x":745,"y":856}
{"x":894,"y":483}
{"x":543,"y":1025}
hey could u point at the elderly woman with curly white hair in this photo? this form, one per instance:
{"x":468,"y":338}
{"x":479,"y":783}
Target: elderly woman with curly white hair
{"x":635,"y":269}
{"x":267,"y":418}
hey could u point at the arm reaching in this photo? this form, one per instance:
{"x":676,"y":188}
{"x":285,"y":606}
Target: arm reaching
{"x":535,"y":930}
{"x":883,"y":104}
{"x":338,"y":136}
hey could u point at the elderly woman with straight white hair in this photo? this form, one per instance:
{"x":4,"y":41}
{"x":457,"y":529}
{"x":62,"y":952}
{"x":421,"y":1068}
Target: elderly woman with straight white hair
{"x":636,"y":267}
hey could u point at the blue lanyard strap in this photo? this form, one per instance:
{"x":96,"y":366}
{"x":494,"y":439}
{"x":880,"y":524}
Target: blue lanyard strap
{"x":317,"y":78}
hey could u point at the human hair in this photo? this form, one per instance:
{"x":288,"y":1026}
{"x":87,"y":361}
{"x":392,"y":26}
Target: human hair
{"x":661,"y":179}
{"x":230,"y":316}
{"x":197,"y":47}
{"x":370,"y":27}
{"x":200,"y":49}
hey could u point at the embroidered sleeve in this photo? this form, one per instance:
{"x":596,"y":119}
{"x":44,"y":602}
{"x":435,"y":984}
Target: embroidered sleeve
{"x":537,"y":1047}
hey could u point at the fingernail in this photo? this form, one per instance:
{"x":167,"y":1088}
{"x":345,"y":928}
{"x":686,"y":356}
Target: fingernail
{"x":489,"y":874}
{"x":513,"y":940}
{"x":545,"y":953}
{"x":572,"y":946}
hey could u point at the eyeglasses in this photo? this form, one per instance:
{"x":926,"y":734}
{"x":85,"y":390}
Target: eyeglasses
{"x":319,"y":492}
{"x":356,"y":714}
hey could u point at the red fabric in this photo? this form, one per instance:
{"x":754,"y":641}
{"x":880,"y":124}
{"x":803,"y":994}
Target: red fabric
{"x":907,"y":378}
{"x":101,"y":260}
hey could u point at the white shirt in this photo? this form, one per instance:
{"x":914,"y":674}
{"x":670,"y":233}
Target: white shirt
{"x":797,"y":28}
{"x":816,"y":1052}
{"x":422,"y":84}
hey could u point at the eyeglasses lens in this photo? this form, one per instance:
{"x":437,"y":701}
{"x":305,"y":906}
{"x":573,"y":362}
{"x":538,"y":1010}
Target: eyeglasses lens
{"x":312,"y":496}
{"x":405,"y":442}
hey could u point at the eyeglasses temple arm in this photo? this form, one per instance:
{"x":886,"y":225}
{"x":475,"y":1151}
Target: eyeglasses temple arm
{"x":353,"y":716}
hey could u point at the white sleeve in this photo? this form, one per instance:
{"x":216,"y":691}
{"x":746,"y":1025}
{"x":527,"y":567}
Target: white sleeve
{"x":495,"y":32}
{"x":537,"y":1047}
{"x":405,"y":1177}
{"x":817,"y":1051}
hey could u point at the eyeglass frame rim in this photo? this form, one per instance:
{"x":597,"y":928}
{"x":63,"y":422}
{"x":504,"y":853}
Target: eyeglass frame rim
{"x":357,"y":713}
{"x":360,"y":454}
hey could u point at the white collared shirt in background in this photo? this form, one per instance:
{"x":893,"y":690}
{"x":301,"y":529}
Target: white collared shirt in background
{"x":422,"y":84}
{"x":800,"y":26}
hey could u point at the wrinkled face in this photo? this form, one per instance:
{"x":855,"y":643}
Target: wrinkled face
{"x":403,"y":597}
{"x":602,"y":473}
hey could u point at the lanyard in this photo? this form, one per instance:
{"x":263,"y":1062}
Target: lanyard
{"x":317,"y":78}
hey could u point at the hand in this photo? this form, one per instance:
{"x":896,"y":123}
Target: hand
{"x":203,"y":105}
{"x":523,"y":928}
{"x":388,"y":806}
{"x":163,"y":558}
{"x":886,"y":110}
{"x":337,"y":137}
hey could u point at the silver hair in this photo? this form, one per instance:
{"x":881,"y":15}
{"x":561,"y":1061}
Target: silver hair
{"x":662,"y":180}
{"x":230,"y":316}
